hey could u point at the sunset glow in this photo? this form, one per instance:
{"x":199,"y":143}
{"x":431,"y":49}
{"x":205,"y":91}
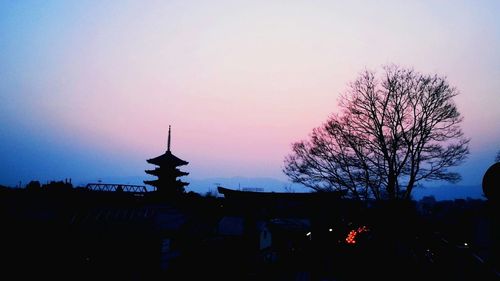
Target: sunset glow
{"x":88,"y":88}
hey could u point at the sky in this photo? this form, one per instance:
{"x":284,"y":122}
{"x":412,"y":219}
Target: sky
{"x":89,"y":88}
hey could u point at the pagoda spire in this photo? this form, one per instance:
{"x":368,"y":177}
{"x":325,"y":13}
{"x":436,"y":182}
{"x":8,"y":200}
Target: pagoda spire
{"x":167,"y":173}
{"x":168,"y":146}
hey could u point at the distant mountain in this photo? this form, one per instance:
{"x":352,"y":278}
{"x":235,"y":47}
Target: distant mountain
{"x":449,"y":192}
{"x":239,"y":183}
{"x":202,"y":186}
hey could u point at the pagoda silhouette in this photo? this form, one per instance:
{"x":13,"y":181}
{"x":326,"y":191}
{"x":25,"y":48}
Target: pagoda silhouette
{"x":167,"y":172}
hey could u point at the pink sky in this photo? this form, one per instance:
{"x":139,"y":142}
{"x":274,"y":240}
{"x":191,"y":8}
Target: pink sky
{"x":238,"y":82}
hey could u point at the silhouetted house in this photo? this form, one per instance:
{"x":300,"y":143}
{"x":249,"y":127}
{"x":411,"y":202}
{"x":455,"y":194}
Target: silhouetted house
{"x":58,"y":185}
{"x":265,"y":237}
{"x":425,"y":205}
{"x":33,"y":185}
{"x":230,"y":226}
{"x":167,"y":172}
{"x":238,"y":228}
{"x":280,"y":226}
{"x":282,"y":238}
{"x":281,"y":204}
{"x":168,"y":223}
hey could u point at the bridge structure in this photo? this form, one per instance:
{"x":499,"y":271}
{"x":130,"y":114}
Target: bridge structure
{"x":112,"y":187}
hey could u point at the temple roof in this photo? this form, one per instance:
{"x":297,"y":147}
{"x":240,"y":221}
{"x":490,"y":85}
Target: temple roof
{"x":249,"y":195}
{"x":172,"y":172}
{"x":167,"y":159}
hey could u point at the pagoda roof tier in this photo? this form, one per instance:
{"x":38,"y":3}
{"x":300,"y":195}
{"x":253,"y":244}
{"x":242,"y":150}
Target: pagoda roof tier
{"x":167,"y":159}
{"x":158,"y":183}
{"x":183,"y":183}
{"x":160,"y":172}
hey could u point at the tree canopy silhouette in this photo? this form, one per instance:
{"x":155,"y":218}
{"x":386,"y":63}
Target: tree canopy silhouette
{"x":393,"y":130}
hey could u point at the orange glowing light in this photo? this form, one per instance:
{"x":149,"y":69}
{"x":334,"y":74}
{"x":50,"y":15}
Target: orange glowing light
{"x":351,"y":236}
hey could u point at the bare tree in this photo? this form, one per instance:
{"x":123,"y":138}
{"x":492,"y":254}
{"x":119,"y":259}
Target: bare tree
{"x":392,"y":132}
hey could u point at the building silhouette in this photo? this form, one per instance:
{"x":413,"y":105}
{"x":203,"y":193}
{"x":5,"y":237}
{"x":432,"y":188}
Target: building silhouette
{"x":167,"y":172}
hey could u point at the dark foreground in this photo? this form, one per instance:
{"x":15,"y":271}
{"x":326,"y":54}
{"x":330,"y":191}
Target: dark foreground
{"x":79,"y":234}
